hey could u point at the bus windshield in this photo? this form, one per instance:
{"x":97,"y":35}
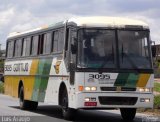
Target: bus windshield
{"x":97,"y":48}
{"x":134,"y":49}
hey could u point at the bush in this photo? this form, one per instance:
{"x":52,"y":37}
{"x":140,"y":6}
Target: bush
{"x":157,"y":101}
{"x":1,"y":87}
{"x":157,"y":87}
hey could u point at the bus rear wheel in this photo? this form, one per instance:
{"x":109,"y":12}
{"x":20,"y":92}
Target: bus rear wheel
{"x":68,"y":113}
{"x":25,"y":104}
{"x":128,"y":113}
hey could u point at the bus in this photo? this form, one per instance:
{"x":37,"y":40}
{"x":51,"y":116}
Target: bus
{"x":82,"y":63}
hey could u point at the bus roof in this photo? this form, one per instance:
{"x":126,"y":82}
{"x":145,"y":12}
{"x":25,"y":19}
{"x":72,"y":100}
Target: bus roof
{"x":101,"y":21}
{"x":95,"y":21}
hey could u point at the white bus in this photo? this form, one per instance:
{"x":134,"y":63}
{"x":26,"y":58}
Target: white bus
{"x":82,"y":63}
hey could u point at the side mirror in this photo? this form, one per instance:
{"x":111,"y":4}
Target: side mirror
{"x":73,"y":49}
{"x":153,"y":51}
{"x":72,"y":67}
{"x":74,"y":46}
{"x":72,"y":73}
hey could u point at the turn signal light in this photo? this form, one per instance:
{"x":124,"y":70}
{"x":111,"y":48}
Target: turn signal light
{"x":80,"y":88}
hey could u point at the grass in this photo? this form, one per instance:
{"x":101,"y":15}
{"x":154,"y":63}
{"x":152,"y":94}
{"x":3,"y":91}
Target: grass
{"x":156,"y":110}
{"x":1,"y":87}
{"x":157,"y":101}
{"x":157,"y":87}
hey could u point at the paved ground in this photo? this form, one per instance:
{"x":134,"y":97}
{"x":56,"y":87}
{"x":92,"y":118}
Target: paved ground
{"x":9,"y":110}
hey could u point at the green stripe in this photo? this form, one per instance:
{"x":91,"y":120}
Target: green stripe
{"x":121,"y":79}
{"x":41,"y":82}
{"x":132,"y":80}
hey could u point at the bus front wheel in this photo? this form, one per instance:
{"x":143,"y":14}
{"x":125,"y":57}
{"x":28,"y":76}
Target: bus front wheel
{"x":25,"y":104}
{"x":68,"y":113}
{"x":128,"y":113}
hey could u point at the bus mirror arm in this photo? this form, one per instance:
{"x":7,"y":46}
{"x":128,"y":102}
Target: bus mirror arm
{"x":74,"y":46}
{"x":154,"y":51}
{"x":71,"y":67}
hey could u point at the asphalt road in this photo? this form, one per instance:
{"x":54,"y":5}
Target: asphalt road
{"x":9,"y":111}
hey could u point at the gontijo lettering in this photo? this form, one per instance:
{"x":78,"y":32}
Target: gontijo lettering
{"x":23,"y":67}
{"x":20,"y":67}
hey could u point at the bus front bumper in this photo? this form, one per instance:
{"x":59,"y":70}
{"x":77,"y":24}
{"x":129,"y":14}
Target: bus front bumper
{"x":113,"y":100}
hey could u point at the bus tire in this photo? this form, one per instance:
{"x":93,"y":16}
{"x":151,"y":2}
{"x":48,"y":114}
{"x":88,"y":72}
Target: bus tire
{"x":128,"y":113}
{"x":68,"y":113}
{"x":32,"y":105}
{"x":25,"y":104}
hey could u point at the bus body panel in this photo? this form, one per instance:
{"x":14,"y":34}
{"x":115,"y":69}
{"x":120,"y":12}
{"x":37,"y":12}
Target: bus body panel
{"x":128,"y":88}
{"x":39,"y":78}
{"x":80,"y":102}
{"x":43,"y":73}
{"x":42,"y":78}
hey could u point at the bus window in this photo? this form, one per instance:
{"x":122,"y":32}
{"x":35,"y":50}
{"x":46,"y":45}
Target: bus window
{"x":24,"y":47}
{"x":10,"y":48}
{"x":47,"y":43}
{"x":34,"y":45}
{"x":52,"y":41}
{"x":61,"y":40}
{"x":41,"y":44}
{"x":28,"y":43}
{"x":18,"y":48}
{"x":55,"y":41}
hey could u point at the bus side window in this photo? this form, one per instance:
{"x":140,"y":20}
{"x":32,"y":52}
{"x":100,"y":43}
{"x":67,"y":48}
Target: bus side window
{"x":52,"y":41}
{"x":66,"y":41}
{"x":14,"y":47}
{"x":10,"y":47}
{"x":47,"y":43}
{"x":34,"y":45}
{"x":19,"y":47}
{"x":28,"y":46}
{"x":41,"y":44}
{"x":31,"y":45}
{"x":61,"y":40}
{"x":55,"y":42}
{"x":23,"y":47}
{"x":67,"y":54}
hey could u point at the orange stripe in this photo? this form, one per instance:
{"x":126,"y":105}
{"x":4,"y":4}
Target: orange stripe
{"x":143,"y":79}
{"x":34,"y":67}
{"x":29,"y":81}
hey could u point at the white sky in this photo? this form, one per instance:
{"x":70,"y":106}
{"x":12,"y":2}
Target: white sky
{"x":20,"y":15}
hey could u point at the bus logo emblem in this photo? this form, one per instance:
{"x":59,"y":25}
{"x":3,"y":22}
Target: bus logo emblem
{"x":56,"y":67}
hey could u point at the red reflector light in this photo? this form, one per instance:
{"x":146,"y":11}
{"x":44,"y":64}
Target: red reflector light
{"x":90,"y":104}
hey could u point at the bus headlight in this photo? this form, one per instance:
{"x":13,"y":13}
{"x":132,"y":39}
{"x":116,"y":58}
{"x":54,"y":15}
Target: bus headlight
{"x":93,"y":88}
{"x":90,"y":88}
{"x":145,"y":89}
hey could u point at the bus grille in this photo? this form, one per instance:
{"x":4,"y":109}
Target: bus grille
{"x":114,"y":89}
{"x":118,"y":100}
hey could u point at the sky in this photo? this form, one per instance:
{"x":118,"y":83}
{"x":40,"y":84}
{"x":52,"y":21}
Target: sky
{"x":21,"y":15}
